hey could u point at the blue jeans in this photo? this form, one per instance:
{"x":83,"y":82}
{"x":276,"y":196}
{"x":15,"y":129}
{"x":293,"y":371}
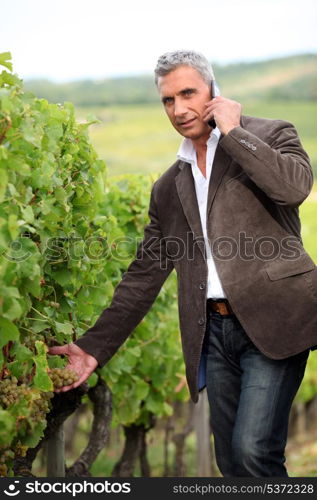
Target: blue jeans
{"x":250,"y":397}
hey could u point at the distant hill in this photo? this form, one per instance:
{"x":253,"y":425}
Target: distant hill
{"x":287,"y":78}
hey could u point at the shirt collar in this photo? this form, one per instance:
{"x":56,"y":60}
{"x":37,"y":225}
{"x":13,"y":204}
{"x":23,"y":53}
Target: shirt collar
{"x":187,"y":152}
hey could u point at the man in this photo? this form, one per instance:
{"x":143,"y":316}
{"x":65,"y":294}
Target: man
{"x":225,"y":216}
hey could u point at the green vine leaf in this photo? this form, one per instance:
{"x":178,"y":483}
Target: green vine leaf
{"x":8,"y":332}
{"x":41,"y":380}
{"x":7,"y":424}
{"x":5,"y":58}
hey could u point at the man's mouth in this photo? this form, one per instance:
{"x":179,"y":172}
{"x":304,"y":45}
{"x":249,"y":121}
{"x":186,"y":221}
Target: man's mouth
{"x":188,"y":123}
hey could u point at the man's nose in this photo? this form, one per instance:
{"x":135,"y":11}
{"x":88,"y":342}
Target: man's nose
{"x":180,"y":108}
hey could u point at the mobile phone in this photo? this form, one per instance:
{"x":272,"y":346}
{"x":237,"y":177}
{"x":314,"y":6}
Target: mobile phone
{"x":214,"y":93}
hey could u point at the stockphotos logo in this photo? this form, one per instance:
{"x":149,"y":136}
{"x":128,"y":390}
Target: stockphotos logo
{"x":12,"y":489}
{"x":74,"y":488}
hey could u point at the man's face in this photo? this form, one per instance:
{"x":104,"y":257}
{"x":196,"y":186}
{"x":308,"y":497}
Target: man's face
{"x":184,"y":93}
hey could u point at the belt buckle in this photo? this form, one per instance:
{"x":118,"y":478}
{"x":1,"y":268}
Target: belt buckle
{"x":222,"y":308}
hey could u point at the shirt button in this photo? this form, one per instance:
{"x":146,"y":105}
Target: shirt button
{"x":201,"y":321}
{"x":202,"y":286}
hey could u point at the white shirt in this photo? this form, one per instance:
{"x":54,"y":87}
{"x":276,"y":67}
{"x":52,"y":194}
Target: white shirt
{"x":187,"y":153}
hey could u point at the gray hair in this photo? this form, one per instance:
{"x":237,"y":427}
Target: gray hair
{"x":172,"y":60}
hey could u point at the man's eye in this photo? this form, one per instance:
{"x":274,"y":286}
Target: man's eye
{"x":167,"y":100}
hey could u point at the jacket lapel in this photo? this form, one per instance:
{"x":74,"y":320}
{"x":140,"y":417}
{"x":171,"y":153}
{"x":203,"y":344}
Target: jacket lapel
{"x":186,"y":191}
{"x":220,"y":166}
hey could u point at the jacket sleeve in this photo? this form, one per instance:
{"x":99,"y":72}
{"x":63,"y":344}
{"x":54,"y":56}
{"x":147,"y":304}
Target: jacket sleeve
{"x":278,"y":165}
{"x":133,"y":296}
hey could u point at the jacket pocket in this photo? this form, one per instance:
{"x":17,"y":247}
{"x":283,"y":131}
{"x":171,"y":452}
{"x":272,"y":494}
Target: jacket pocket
{"x":282,"y":268}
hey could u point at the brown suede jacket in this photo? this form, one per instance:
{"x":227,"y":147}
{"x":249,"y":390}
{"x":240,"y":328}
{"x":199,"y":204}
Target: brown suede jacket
{"x":260,"y":176}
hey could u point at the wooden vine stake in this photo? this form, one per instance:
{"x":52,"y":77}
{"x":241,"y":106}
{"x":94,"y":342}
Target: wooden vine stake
{"x":56,"y":454}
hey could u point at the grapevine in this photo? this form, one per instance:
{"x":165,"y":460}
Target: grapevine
{"x":51,"y":185}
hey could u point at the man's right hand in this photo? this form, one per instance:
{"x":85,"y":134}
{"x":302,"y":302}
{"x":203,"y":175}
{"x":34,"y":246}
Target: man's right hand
{"x":79,"y":361}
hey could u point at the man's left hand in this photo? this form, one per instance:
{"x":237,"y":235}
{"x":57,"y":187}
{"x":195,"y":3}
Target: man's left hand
{"x":225,"y":112}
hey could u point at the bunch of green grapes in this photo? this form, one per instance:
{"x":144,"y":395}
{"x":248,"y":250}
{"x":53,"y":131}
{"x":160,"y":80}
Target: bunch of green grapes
{"x":41,"y":406}
{"x":20,"y":449}
{"x":62,"y":376}
{"x":29,"y":341}
{"x":3,"y":470}
{"x":6,"y":456}
{"x":10,"y":391}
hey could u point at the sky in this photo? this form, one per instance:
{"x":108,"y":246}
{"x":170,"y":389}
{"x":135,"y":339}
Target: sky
{"x":92,"y":39}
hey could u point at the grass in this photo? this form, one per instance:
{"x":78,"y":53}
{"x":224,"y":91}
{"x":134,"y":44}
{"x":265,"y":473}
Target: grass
{"x":134,"y":139}
{"x":301,"y":453}
{"x":140,"y":139}
{"x":308,"y":214}
{"x":303,"y":115}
